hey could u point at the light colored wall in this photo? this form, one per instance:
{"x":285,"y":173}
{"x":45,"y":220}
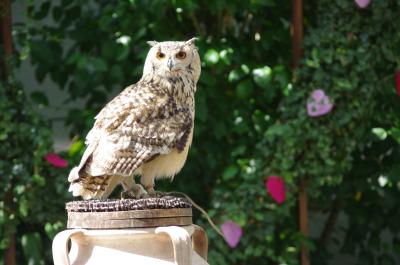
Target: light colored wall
{"x":58,"y":108}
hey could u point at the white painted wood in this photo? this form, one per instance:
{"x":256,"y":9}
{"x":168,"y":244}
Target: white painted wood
{"x":170,"y":245}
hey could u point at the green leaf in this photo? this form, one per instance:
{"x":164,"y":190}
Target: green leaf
{"x":380,"y":133}
{"x":281,"y":76}
{"x":46,"y":52}
{"x":76,"y":147}
{"x":116,"y":72}
{"x":99,"y":65}
{"x":395,"y":133}
{"x":3,"y":136}
{"x":122,"y":52}
{"x":40,"y":180}
{"x":41,"y":72}
{"x":230,"y":172}
{"x":211,"y":56}
{"x":57,"y":13}
{"x":23,"y":207}
{"x":82,"y":62}
{"x":262,"y":76}
{"x":32,"y":248}
{"x":52,"y":229}
{"x":244,"y":89}
{"x":40,"y":98}
{"x":109,"y":49}
{"x":235,"y":75}
{"x":245,"y":68}
{"x":44,"y":9}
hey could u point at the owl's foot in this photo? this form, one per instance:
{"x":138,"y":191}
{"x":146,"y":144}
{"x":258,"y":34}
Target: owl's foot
{"x":135,"y":192}
{"x":151,"y":193}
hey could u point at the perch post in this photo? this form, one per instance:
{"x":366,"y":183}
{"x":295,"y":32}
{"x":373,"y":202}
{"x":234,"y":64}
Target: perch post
{"x":297,"y":36}
{"x":6,"y":38}
{"x":121,"y":231}
{"x":297,"y":32}
{"x":303,"y":221}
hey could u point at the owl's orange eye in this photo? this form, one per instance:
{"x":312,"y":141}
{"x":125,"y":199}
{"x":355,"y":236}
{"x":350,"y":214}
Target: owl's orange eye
{"x":181,"y":55}
{"x":160,"y":55}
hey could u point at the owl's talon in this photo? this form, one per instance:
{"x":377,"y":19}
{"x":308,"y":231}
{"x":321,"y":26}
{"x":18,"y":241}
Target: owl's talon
{"x":127,"y":194}
{"x":150,"y":190}
{"x":135,"y":192}
{"x":159,"y":194}
{"x":151,"y":193}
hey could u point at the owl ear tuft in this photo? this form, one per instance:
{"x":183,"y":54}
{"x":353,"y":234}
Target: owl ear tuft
{"x":191,"y":41}
{"x":152,"y":43}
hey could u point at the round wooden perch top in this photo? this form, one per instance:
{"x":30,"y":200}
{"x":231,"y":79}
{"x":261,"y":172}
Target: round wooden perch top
{"x":129,"y":213}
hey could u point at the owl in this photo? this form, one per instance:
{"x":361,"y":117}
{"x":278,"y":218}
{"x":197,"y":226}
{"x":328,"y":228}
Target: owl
{"x":146,"y":130}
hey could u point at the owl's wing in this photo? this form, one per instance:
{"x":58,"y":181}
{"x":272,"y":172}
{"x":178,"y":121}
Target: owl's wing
{"x":125,"y":148}
{"x":133,"y":128}
{"x":136,"y":100}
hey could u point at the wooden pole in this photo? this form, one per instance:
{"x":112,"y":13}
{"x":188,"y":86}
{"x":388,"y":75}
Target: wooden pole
{"x":297,"y":37}
{"x":6,"y":40}
{"x":297,"y":32}
{"x":10,"y":252}
{"x":303,"y":221}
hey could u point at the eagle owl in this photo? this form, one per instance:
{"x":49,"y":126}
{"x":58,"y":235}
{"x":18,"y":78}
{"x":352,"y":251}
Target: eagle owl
{"x":146,"y":130}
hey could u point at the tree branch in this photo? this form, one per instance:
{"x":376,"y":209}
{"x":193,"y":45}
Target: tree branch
{"x":330,"y":222}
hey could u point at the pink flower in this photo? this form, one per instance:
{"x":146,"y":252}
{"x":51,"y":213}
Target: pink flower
{"x":319,"y":104}
{"x":56,"y":160}
{"x":232,"y":233}
{"x":276,"y":188}
{"x":397,"y":78}
{"x":363,"y":3}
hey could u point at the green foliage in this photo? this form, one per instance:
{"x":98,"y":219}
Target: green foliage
{"x":251,"y":118}
{"x":348,"y":156}
{"x":33,"y":193}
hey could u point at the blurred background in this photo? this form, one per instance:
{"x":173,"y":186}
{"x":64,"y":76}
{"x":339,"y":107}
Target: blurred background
{"x":270,"y":134}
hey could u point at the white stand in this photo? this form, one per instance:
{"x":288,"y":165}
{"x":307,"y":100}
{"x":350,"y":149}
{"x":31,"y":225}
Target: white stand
{"x":186,"y":245}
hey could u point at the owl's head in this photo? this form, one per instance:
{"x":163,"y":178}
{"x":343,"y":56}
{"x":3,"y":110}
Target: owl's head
{"x":172,"y":58}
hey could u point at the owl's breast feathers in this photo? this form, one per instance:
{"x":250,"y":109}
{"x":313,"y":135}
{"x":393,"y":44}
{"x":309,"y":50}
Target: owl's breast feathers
{"x":150,"y":118}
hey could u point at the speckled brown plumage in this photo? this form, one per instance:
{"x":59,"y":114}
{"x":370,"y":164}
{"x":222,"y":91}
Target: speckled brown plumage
{"x":146,"y":130}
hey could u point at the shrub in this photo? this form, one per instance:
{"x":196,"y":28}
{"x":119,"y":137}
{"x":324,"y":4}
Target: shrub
{"x":33,"y":193}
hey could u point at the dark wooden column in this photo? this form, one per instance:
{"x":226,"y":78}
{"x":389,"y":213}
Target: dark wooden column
{"x":297,"y":32}
{"x":303,"y":221}
{"x":6,"y":41}
{"x":297,"y":37}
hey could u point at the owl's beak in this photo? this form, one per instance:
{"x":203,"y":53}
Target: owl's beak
{"x":170,"y":64}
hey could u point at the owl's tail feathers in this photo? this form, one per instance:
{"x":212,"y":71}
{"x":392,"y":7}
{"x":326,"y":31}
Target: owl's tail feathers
{"x":90,"y":187}
{"x":77,"y":187}
{"x":74,"y":174}
{"x":86,"y":192}
{"x":78,"y":176}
